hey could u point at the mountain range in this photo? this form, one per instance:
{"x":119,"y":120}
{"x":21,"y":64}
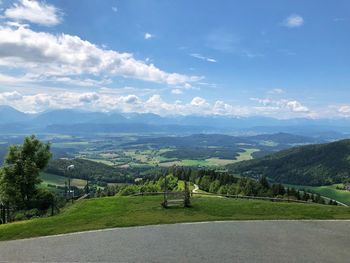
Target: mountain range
{"x":76,"y":121}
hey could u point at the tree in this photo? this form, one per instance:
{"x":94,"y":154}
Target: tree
{"x":214,"y":186}
{"x":20,"y":174}
{"x":264,"y":183}
{"x":187,"y":199}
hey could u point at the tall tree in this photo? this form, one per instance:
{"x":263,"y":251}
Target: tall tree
{"x":20,"y":174}
{"x":187,"y":193}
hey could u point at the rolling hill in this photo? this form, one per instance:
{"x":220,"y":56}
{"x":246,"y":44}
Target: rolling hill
{"x":318,"y":164}
{"x":85,"y":169}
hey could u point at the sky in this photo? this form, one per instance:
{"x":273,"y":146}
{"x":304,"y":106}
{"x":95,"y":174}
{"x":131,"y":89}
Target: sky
{"x":276,"y":58}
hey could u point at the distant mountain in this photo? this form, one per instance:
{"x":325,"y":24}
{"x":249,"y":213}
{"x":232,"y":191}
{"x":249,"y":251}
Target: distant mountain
{"x":11,"y":115}
{"x":14,"y":121}
{"x":67,"y":116}
{"x":318,"y":164}
{"x":138,"y":128}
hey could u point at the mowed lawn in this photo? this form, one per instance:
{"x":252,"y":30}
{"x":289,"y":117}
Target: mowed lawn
{"x":145,"y":210}
{"x":329,"y":191}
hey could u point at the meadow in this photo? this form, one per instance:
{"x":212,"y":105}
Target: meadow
{"x":52,"y":179}
{"x":128,"y":211}
{"x":329,"y":191}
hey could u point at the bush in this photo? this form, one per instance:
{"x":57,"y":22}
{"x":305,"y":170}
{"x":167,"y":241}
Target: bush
{"x":129,"y":190}
{"x":19,"y":216}
{"x":43,"y":200}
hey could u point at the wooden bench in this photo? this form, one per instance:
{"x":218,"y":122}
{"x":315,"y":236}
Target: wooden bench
{"x":173,"y":202}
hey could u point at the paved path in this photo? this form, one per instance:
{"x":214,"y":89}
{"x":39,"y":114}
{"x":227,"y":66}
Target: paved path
{"x":195,"y":189}
{"x":234,"y":241}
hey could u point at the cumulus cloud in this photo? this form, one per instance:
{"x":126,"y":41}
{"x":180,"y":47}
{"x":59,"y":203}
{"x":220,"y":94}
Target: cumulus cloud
{"x":10,"y":96}
{"x":293,"y":21}
{"x":282,"y":104}
{"x":296,"y":106}
{"x":88,"y":97}
{"x":109,"y":100}
{"x":198,"y":102}
{"x":34,"y":12}
{"x":344,"y":110}
{"x":199,"y":56}
{"x":64,"y":55}
{"x":148,"y":36}
{"x":130,"y":99}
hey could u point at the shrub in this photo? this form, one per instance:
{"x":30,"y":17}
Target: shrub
{"x":43,"y":200}
{"x":129,"y":190}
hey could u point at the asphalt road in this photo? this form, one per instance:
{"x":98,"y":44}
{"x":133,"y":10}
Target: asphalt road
{"x":234,"y":241}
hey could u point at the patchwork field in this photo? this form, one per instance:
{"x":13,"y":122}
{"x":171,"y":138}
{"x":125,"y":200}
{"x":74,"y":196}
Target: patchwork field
{"x":329,"y":191}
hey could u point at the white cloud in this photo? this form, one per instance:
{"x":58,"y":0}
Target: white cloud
{"x":114,"y":9}
{"x":199,"y":56}
{"x":293,"y":21}
{"x":34,"y":12}
{"x":148,"y":36}
{"x":198,"y":102}
{"x":131,"y":99}
{"x":282,"y":104}
{"x":176,"y":91}
{"x":109,"y":100}
{"x":296,"y":106}
{"x":344,"y":109}
{"x":88,"y":97}
{"x":66,"y":55}
{"x":10,"y":96}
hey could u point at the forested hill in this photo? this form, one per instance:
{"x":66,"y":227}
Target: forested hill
{"x":318,"y":164}
{"x":85,"y":169}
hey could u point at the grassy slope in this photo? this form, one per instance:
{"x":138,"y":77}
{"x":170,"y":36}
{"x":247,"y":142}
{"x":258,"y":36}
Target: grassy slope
{"x":59,"y":180}
{"x":132,"y":211}
{"x":329,"y":191}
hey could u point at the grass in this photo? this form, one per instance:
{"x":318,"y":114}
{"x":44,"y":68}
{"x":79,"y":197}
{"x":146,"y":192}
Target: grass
{"x":134,"y":211}
{"x":181,"y":185}
{"x":104,"y":161}
{"x":53,"y":179}
{"x":246,"y":155}
{"x":329,"y":191}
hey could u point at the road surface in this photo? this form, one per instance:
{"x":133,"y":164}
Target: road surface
{"x":231,"y":241}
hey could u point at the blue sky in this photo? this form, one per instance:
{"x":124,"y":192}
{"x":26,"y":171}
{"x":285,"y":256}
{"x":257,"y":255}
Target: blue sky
{"x":283,"y":59}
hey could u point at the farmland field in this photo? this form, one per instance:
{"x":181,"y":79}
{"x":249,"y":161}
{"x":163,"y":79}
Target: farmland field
{"x":131,"y":151}
{"x":329,"y":191}
{"x":57,"y":180}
